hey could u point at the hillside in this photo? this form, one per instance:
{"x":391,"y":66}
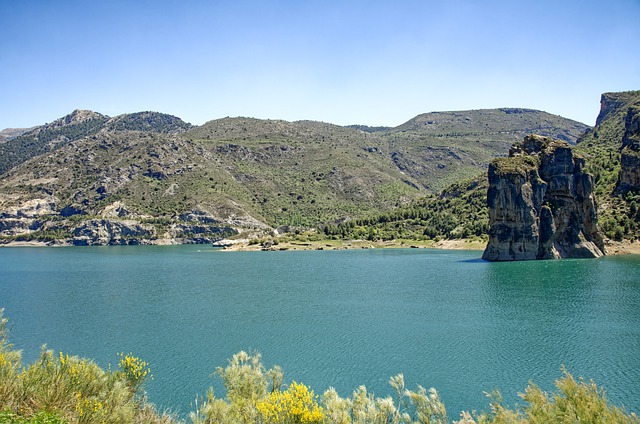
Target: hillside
{"x":78,"y":124}
{"x":11,"y":133}
{"x":441,"y":148}
{"x":301,"y":173}
{"x":151,"y":178}
{"x":460,"y":211}
{"x":618,"y":212}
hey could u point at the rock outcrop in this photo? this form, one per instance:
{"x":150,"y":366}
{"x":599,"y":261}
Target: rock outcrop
{"x":26,"y":217}
{"x":541,"y":204}
{"x":41,"y":220}
{"x":629,"y":179}
{"x":111,"y":232}
{"x":610,"y":103}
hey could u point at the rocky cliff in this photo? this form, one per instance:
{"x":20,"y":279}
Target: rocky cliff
{"x":41,"y":220}
{"x":630,"y":152}
{"x":541,"y":204}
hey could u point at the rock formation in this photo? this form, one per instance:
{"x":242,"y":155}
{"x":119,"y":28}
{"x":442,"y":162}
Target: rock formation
{"x":630,"y":154}
{"x":541,"y":204}
{"x":116,"y":226}
{"x":610,"y":103}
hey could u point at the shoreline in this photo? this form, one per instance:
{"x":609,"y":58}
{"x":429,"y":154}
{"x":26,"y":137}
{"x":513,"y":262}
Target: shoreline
{"x":613,"y":248}
{"x":245,"y":246}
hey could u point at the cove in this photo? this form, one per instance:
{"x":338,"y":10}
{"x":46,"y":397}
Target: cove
{"x":446,"y":319}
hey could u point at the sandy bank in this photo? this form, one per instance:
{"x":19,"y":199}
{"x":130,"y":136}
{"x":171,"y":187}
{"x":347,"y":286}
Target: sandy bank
{"x":244,"y":246}
{"x":622,"y":247}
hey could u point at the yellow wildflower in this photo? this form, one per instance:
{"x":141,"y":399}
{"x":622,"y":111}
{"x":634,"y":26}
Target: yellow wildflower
{"x":296,"y":405}
{"x":135,"y":369}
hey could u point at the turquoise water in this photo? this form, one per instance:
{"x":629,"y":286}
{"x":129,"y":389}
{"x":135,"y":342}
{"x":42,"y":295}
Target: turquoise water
{"x":333,"y":318}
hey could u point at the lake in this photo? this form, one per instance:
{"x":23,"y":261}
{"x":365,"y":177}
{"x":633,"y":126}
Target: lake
{"x":333,"y":318}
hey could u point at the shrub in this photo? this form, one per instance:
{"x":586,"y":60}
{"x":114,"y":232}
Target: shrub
{"x":296,"y":405}
{"x":576,"y":401}
{"x":62,"y":388}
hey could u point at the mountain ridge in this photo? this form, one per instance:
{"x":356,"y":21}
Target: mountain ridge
{"x":78,"y":124}
{"x":163,"y":180}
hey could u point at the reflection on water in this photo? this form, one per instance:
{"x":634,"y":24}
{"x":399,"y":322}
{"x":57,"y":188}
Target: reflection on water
{"x":445,"y":319}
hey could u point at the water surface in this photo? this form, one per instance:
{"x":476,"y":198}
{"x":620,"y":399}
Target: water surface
{"x":333,"y":318}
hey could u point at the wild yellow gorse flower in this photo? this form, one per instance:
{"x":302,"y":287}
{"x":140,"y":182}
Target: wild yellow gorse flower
{"x":296,"y":405}
{"x":135,"y":370}
{"x":90,"y":409}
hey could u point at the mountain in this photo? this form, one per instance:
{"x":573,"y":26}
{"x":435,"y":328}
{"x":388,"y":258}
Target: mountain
{"x":461,"y":209}
{"x":11,"y":133}
{"x":42,"y":139}
{"x":76,"y":125}
{"x":151,"y":178}
{"x":440,"y":148}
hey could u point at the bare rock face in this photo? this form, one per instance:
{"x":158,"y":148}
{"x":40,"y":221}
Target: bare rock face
{"x":112,"y":232}
{"x":630,"y":153}
{"x":26,"y":217}
{"x":541,"y":204}
{"x":609,"y":103}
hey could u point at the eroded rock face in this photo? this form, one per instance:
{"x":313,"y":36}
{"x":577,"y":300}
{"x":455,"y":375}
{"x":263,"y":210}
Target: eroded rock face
{"x":630,"y":153}
{"x":541,"y":204}
{"x":111,"y":232}
{"x":24,"y":218}
{"x":115,"y":225}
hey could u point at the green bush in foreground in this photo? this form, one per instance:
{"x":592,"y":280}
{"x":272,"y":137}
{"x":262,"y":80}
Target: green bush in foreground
{"x":67,"y":389}
{"x":59,"y":389}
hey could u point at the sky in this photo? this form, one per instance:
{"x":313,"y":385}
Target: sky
{"x":377,"y":63}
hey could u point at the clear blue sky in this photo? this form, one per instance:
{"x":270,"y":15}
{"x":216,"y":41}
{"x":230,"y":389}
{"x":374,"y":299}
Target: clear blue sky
{"x":369,"y":62}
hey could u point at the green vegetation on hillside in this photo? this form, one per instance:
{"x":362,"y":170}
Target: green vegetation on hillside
{"x":58,"y":389}
{"x":460,"y":211}
{"x":304,"y":173}
{"x":79,"y":124}
{"x":618,"y":217}
{"x":351,"y":182}
{"x":45,"y":139}
{"x":517,"y":164}
{"x":148,"y":121}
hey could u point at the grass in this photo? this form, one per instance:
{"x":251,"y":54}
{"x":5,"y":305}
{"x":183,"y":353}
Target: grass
{"x":518,"y":165}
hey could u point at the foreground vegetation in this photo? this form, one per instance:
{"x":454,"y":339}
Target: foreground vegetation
{"x":58,"y":389}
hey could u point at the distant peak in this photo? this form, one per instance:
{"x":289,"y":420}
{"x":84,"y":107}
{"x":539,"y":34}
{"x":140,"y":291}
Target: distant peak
{"x":517,"y":110}
{"x":78,"y":116}
{"x":148,"y":121}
